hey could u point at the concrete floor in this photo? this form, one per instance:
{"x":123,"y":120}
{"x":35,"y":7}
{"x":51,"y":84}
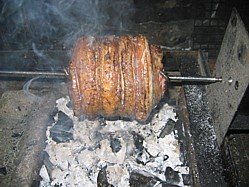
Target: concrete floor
{"x":23,"y":121}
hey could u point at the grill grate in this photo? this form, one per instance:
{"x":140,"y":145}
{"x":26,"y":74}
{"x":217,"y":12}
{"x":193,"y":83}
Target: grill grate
{"x":210,"y":28}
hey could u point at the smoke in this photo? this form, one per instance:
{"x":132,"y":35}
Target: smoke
{"x":42,"y":27}
{"x":30,"y":95}
{"x":56,"y":24}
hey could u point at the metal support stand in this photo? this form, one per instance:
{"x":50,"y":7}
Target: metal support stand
{"x":233,"y":65}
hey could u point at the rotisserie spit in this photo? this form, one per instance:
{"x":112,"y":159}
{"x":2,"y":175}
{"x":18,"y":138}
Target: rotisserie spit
{"x":115,"y":76}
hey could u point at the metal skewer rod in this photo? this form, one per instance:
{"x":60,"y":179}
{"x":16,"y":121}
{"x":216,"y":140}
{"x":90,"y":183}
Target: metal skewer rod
{"x":191,"y":79}
{"x":48,"y":74}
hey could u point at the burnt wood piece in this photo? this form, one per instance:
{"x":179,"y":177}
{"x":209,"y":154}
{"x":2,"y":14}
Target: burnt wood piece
{"x":201,"y":127}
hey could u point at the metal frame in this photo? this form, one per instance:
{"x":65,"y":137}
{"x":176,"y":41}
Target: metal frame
{"x":233,"y":66}
{"x":204,"y":153}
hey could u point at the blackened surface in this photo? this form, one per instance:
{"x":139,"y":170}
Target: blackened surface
{"x":168,"y":128}
{"x":228,"y":165}
{"x":163,"y":11}
{"x":210,"y":27}
{"x":240,"y":124}
{"x":16,"y":134}
{"x":182,"y":139}
{"x":244,"y":105}
{"x":64,"y":119}
{"x":144,"y":180}
{"x":191,"y":157}
{"x":172,"y":177}
{"x":115,"y":145}
{"x":61,"y":131}
{"x":102,"y":179}
{"x":214,"y":19}
{"x":35,"y":183}
{"x":138,"y":179}
{"x":138,"y":141}
{"x":3,"y":170}
{"x":241,"y":119}
{"x":236,"y":159}
{"x":169,"y":63}
{"x":48,"y":164}
{"x":206,"y":149}
{"x":186,"y":179}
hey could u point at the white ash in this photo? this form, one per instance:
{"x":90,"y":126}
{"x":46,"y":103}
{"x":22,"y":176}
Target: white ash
{"x":78,"y":162}
{"x":121,"y":174}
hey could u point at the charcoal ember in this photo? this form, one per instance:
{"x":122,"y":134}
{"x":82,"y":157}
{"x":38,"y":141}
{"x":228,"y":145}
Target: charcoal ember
{"x":143,"y":180}
{"x":138,"y":141}
{"x":48,"y":164}
{"x":62,"y":129}
{"x":172,"y":102}
{"x":35,"y":183}
{"x":168,"y":128}
{"x":102,"y":178}
{"x":143,"y":158}
{"x":102,"y":121}
{"x":61,"y":136}
{"x":172,"y":177}
{"x":69,"y":105}
{"x":186,"y":179}
{"x":3,"y":170}
{"x":17,"y":134}
{"x":92,"y":148}
{"x":63,"y":118}
{"x":51,"y":116}
{"x":115,"y":145}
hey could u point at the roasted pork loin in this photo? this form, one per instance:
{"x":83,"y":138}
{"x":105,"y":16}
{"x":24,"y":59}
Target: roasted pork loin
{"x":116,"y":76}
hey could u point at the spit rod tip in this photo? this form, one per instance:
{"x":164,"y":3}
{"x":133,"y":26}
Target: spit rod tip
{"x":191,"y":78}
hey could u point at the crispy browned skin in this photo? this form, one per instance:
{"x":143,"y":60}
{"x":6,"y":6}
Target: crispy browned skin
{"x":126,"y":49}
{"x":141,"y":78}
{"x":109,"y":77}
{"x":84,"y":65}
{"x":158,"y":80}
{"x":116,"y":76}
